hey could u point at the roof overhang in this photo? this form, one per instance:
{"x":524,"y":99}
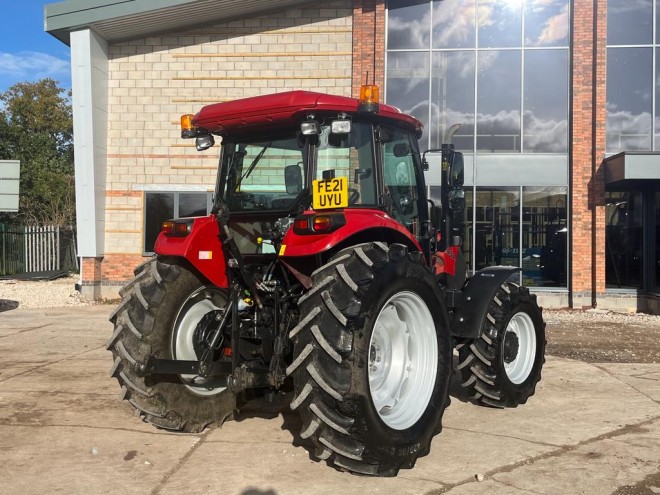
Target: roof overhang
{"x":118,"y":20}
{"x":632,"y":166}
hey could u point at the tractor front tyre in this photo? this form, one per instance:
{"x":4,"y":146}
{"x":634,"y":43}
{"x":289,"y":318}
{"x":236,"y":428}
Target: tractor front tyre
{"x":372,"y":360}
{"x":502,"y":366}
{"x":159,"y":317}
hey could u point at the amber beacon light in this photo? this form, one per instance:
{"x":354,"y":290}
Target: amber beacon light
{"x":187,"y":127}
{"x":369,"y":98}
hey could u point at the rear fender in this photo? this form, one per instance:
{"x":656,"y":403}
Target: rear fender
{"x":478,"y":293}
{"x":359,"y":222}
{"x":202,"y":248}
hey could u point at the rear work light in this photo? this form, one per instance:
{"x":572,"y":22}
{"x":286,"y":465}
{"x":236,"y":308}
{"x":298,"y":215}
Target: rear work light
{"x":177,"y":228}
{"x":318,"y":224}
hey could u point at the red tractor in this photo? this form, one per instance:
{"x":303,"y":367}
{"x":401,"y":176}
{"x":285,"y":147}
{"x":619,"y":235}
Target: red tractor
{"x":324,"y":267}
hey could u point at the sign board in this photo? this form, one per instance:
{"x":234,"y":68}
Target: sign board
{"x":10,"y":174}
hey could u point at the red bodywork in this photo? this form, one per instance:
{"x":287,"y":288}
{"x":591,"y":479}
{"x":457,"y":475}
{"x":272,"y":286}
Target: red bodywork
{"x":285,"y":110}
{"x":201,"y":248}
{"x":357,"y":220}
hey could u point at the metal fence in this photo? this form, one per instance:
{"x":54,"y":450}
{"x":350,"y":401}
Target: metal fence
{"x":36,"y":249}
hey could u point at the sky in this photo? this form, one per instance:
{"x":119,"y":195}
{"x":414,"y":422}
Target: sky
{"x":27,"y":52}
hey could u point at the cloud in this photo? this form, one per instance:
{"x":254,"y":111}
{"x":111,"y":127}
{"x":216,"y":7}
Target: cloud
{"x":32,"y":65}
{"x":626,"y":130}
{"x":555,"y":29}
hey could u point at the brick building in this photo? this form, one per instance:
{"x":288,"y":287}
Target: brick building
{"x":562,"y":177}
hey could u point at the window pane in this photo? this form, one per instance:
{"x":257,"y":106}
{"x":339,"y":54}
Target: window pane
{"x":350,"y":155}
{"x":158,"y":208}
{"x":400,"y":179}
{"x":545,"y":236}
{"x":629,"y":99}
{"x":545,"y":118}
{"x":453,"y":98}
{"x":257,"y":174}
{"x":500,"y":23}
{"x":453,"y":24}
{"x":408,"y":86}
{"x":498,"y":101}
{"x":546,"y":23}
{"x":497,"y":230}
{"x":629,"y":22}
{"x":192,"y":204}
{"x":408,"y":26}
{"x":623,"y":239}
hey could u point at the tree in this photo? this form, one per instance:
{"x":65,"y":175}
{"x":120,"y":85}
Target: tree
{"x":36,"y":127}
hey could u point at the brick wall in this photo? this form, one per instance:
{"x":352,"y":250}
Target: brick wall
{"x":368,"y":44}
{"x":153,"y":81}
{"x":587,"y":151}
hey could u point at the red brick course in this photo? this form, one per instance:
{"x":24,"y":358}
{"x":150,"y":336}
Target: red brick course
{"x":587,"y":270}
{"x":368,"y":44}
{"x":112,"y":268}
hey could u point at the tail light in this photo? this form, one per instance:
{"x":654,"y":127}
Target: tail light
{"x":177,"y":228}
{"x":318,"y":224}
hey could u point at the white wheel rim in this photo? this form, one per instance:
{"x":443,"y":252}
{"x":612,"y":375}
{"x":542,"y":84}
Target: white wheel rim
{"x":518,"y":369}
{"x":183,"y":349}
{"x":403,"y":360}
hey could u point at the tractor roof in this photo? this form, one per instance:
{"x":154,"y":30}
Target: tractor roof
{"x":287,"y":110}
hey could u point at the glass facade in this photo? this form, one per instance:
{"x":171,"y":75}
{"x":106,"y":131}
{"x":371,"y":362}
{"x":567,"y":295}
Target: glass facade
{"x":501,"y":70}
{"x":632,"y":104}
{"x":624,"y":239}
{"x":633,"y":111}
{"x":498,"y":68}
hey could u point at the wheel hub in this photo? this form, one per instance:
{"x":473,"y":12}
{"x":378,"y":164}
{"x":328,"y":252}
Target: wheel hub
{"x":200,"y":337}
{"x":403,"y":356}
{"x":519,"y":348}
{"x":195,"y":322}
{"x":511,"y":347}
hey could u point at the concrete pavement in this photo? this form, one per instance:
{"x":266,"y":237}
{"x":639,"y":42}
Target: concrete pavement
{"x":592,"y":429}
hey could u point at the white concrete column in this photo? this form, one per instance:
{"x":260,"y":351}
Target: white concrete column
{"x":89,"y":77}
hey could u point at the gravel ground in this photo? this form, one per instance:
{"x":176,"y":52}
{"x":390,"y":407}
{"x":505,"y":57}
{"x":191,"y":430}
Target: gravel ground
{"x":40,"y":294}
{"x":593,"y":336}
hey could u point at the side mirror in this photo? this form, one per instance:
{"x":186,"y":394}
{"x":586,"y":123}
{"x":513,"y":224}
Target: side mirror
{"x":456,"y":175}
{"x":293,"y":179}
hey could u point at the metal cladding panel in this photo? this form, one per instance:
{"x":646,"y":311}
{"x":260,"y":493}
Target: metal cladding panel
{"x":521,"y":170}
{"x":628,"y":166}
{"x":284,"y":109}
{"x":121,"y":20}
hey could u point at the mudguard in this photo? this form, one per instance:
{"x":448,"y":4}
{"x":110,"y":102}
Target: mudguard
{"x":358,"y":220}
{"x":201,"y":248}
{"x":478,"y":293}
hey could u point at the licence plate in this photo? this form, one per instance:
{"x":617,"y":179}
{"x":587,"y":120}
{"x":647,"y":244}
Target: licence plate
{"x":330,"y":193}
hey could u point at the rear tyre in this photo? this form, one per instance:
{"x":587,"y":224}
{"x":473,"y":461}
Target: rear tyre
{"x":372,"y":360}
{"x":158,"y":317}
{"x":502,"y":367}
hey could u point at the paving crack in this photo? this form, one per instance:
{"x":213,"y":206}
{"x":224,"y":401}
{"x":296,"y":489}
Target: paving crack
{"x":616,"y":377}
{"x":633,"y":428}
{"x":168,"y":476}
